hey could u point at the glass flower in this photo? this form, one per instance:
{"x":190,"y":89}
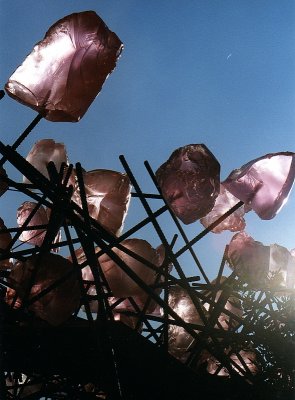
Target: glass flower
{"x":5,"y":239}
{"x":224,"y":202}
{"x":56,"y":306}
{"x":66,"y":70}
{"x":233,"y":305}
{"x":179,"y":340}
{"x":264,"y":184}
{"x":43,"y":152}
{"x":108,"y":195}
{"x":3,"y":184}
{"x":189,"y":182}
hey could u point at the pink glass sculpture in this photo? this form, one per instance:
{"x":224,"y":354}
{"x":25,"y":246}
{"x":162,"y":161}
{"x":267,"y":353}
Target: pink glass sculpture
{"x":264,"y":184}
{"x":3,"y":184}
{"x":282,"y":263}
{"x":43,"y":152}
{"x":248,"y":357}
{"x":224,"y":202}
{"x":5,"y":239}
{"x":66,"y":70}
{"x":189,"y":182}
{"x":108,"y":195}
{"x":233,"y":305}
{"x":179,"y":340}
{"x":41,"y":217}
{"x":57,"y":305}
{"x":120,"y":283}
{"x":249,"y":258}
{"x":34,"y":236}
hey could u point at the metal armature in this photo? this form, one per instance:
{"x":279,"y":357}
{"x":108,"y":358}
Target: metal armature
{"x":93,"y":356}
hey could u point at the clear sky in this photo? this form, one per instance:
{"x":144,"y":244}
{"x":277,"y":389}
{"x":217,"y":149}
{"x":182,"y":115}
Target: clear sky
{"x":216,"y":72}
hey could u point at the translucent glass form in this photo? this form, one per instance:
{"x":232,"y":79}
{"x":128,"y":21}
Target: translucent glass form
{"x":34,"y":236}
{"x":282,"y":266}
{"x":249,"y":258}
{"x":232,"y":305}
{"x":248,"y":358}
{"x":120,"y":283}
{"x":108,"y":195}
{"x":224,"y":202}
{"x":179,"y":340}
{"x":189,"y":182}
{"x":264,"y":184}
{"x":43,"y":152}
{"x":257,"y":263}
{"x":3,"y":184}
{"x":66,"y":70}
{"x":5,"y":239}
{"x":56,"y":306}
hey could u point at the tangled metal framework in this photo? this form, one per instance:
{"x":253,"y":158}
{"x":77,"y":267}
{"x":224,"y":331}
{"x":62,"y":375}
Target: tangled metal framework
{"x":92,"y":356}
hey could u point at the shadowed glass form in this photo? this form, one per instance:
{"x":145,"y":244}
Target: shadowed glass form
{"x":179,"y":340}
{"x":43,"y":152}
{"x":119,"y":282}
{"x":3,"y":184}
{"x":249,"y":359}
{"x":5,"y":239}
{"x":224,"y":202}
{"x":66,"y":70}
{"x":108,"y":195}
{"x":34,"y":236}
{"x":249,"y":258}
{"x":232,"y":305}
{"x":256,"y":262}
{"x":264,"y":184}
{"x":190,"y":181}
{"x":56,"y":306}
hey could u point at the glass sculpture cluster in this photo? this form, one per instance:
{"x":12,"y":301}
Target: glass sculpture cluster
{"x":104,"y":272}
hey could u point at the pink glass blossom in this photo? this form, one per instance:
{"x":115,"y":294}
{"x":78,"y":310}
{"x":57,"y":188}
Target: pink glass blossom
{"x":282,"y":262}
{"x":34,"y":236}
{"x":249,"y":258}
{"x":57,"y":305}
{"x":248,"y":357}
{"x":5,"y":239}
{"x":189,"y":182}
{"x":224,"y":202}
{"x":108,"y":195}
{"x":264,"y":184}
{"x":179,"y":340}
{"x":66,"y":70}
{"x":233,"y":305}
{"x":3,"y":184}
{"x":120,"y":283}
{"x":43,"y":152}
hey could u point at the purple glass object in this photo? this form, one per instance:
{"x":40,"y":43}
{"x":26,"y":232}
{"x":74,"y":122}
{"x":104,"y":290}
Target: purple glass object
{"x":3,"y":184}
{"x":56,"y":306}
{"x":249,"y":258}
{"x":189,"y":182}
{"x":264,"y":184}
{"x":179,"y":340}
{"x":66,"y":70}
{"x":43,"y":152}
{"x":224,"y":202}
{"x":34,"y":236}
{"x":282,"y":262}
{"x":108,"y":195}
{"x":5,"y":239}
{"x":233,"y":305}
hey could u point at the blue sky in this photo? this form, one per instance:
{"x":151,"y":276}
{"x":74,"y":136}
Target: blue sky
{"x":220,"y":73}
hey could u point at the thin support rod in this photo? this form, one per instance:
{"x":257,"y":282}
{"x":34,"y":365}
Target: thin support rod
{"x":23,"y":136}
